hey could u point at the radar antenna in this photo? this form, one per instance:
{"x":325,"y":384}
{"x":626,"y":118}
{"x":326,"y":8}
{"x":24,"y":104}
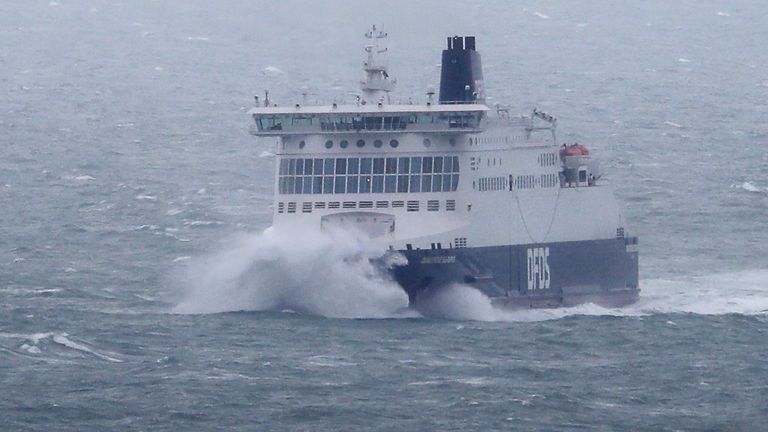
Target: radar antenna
{"x":377,"y":85}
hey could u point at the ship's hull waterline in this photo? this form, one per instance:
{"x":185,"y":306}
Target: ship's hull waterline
{"x":603,"y":272}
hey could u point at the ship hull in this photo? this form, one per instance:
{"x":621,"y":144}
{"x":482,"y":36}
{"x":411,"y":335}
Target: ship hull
{"x":545,"y":275}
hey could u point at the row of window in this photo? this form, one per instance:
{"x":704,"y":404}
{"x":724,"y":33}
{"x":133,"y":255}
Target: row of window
{"x":390,"y":165}
{"x":377,"y":143}
{"x":353,"y":184}
{"x":374,"y":122}
{"x":547,"y":159}
{"x":410,"y":205}
{"x":492,"y":183}
{"x":531,"y":181}
{"x":369,"y":175}
{"x":359,"y":143}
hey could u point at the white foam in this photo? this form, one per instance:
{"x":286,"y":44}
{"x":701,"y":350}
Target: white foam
{"x":673,"y":124}
{"x":197,"y":223}
{"x":744,"y":293}
{"x":749,"y":187}
{"x":272,"y":71}
{"x":683,"y":60}
{"x":30,"y":349}
{"x":146,"y":198}
{"x":723,"y":14}
{"x":541,"y":15}
{"x":321,"y":273}
{"x":62,"y":339}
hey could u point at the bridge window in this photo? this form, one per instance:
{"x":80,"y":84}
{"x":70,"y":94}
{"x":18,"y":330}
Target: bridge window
{"x":373,"y":175}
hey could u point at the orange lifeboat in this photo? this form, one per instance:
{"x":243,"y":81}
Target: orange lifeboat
{"x":574,"y":150}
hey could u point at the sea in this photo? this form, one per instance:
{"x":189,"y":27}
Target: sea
{"x":141,"y":287}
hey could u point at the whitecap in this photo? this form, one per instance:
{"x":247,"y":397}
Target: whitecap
{"x":181,"y":258}
{"x":30,"y":349}
{"x":673,"y":124}
{"x":749,"y":187}
{"x":197,"y":38}
{"x":146,"y":198}
{"x":146,"y":228}
{"x":541,"y":15}
{"x":84,"y":178}
{"x":266,"y":154}
{"x":48,"y":290}
{"x":173,"y":212}
{"x":723,"y":14}
{"x":198,"y":223}
{"x":272,"y":71}
{"x":683,"y":60}
{"x":62,"y":339}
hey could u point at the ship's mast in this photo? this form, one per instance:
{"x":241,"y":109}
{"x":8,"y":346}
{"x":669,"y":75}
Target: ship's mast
{"x":377,"y":85}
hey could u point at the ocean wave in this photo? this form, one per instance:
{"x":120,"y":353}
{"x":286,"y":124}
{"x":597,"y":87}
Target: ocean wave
{"x":749,"y":187}
{"x":63,"y":340}
{"x":34,"y":344}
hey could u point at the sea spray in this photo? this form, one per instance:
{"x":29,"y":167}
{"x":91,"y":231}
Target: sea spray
{"x":329,"y":273}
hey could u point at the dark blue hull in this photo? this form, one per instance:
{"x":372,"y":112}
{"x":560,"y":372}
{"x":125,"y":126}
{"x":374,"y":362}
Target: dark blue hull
{"x":603,"y":272}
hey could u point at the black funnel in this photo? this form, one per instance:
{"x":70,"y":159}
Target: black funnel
{"x":461,"y":75}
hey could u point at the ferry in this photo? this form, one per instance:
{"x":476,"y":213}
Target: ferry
{"x":468,"y":193}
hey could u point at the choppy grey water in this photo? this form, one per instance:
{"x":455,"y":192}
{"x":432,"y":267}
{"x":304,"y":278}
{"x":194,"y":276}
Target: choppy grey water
{"x":132,"y":194}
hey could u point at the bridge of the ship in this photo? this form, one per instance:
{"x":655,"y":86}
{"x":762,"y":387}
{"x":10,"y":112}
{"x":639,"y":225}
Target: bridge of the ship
{"x":367,"y":118}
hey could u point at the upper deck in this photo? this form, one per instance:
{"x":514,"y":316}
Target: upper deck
{"x":367,"y":118}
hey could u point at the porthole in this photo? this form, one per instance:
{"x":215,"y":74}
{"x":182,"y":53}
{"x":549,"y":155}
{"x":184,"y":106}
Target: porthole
{"x":302,"y":144}
{"x":360,"y":143}
{"x":394,"y":143}
{"x":452,"y":142}
{"x":377,"y":143}
{"x":427,"y":142}
{"x":328,"y":144}
{"x":343,"y":143}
